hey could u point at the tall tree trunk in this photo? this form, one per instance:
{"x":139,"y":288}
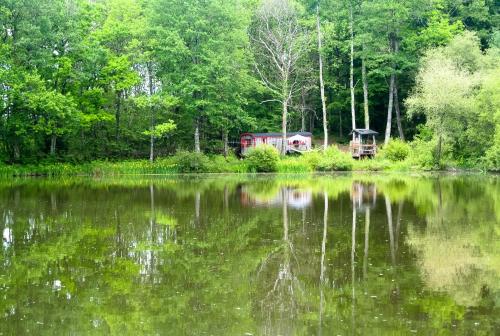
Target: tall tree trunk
{"x":389,"y":111}
{"x":365,"y":92}
{"x":321,"y":83}
{"x":53,"y":141}
{"x":351,"y":68}
{"x":225,"y":139}
{"x":283,"y":127}
{"x":303,"y":113}
{"x":17,"y":151}
{"x":396,"y":109}
{"x":439,"y":149}
{"x":152,"y":111}
{"x":152,"y":147}
{"x":396,"y":98}
{"x":118,"y":115}
{"x":197,"y":136}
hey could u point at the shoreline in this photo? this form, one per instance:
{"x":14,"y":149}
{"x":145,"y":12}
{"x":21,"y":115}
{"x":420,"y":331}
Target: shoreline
{"x":141,"y":168}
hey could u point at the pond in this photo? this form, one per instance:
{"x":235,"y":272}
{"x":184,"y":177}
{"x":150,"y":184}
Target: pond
{"x":251,"y":255}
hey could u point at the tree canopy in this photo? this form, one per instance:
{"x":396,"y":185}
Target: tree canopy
{"x":73,"y":74}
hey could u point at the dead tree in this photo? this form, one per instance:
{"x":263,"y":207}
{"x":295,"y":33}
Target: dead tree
{"x":278,"y":42}
{"x":321,"y":82}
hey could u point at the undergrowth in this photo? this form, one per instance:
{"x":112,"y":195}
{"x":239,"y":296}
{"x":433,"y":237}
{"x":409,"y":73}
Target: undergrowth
{"x":396,"y":157}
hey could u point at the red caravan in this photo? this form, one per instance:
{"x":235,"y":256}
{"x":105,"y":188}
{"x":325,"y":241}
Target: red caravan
{"x":296,"y":141}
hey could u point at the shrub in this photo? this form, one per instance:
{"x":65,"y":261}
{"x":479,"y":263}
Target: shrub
{"x":263,"y":159}
{"x":191,"y":162}
{"x":422,"y":154}
{"x":396,"y":150}
{"x":313,"y":158}
{"x":335,"y":160}
{"x":229,"y":164}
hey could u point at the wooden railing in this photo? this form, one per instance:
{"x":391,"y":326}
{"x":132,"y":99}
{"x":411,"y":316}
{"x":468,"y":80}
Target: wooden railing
{"x":358,"y":149}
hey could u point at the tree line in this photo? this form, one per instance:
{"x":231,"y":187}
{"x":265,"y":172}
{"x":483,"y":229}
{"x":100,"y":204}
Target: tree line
{"x":97,"y":79}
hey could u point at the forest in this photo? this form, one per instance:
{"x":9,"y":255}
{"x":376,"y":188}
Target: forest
{"x":86,"y":80}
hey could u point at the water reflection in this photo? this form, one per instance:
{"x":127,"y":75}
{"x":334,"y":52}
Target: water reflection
{"x":297,"y":198}
{"x":261,"y":256}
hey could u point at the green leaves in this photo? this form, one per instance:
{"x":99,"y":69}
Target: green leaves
{"x":451,"y":86}
{"x":161,"y":130}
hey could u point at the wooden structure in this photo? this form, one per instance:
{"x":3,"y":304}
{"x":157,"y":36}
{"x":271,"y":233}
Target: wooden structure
{"x":298,"y":142}
{"x":363,"y":143}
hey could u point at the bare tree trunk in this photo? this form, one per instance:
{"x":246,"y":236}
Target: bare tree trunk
{"x":17,"y":152}
{"x":53,"y":141}
{"x":398,"y":112}
{"x":152,"y":147}
{"x":283,"y":127}
{"x":439,"y":149}
{"x":351,"y":69}
{"x":152,"y":126}
{"x":197,"y":136}
{"x":389,"y":111}
{"x":321,"y":83}
{"x":365,"y":93}
{"x":396,"y":98}
{"x":303,"y":113}
{"x":226,"y":142}
{"x":117,"y":116}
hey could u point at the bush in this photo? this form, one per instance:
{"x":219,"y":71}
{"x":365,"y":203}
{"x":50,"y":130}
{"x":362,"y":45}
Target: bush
{"x":263,"y":159}
{"x":422,"y":154}
{"x":229,"y":164}
{"x":396,"y":150}
{"x":334,"y":160}
{"x":191,"y":162}
{"x":313,"y":158}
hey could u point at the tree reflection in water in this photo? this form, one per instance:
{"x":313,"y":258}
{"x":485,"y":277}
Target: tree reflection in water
{"x":259,"y":255}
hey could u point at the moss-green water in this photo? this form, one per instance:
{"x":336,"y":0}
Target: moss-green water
{"x":263,"y":255}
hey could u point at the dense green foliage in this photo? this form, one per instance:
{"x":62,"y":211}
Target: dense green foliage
{"x":126,"y":79}
{"x":190,"y":162}
{"x":396,"y":150}
{"x":263,"y":159}
{"x":331,"y":160}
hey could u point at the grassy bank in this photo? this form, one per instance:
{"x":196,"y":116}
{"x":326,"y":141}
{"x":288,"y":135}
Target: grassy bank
{"x":265,"y":160}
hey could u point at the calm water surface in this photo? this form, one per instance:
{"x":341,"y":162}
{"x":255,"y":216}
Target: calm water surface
{"x":318,"y":255}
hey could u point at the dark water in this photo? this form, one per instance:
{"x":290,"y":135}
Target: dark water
{"x":319,"y":255}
